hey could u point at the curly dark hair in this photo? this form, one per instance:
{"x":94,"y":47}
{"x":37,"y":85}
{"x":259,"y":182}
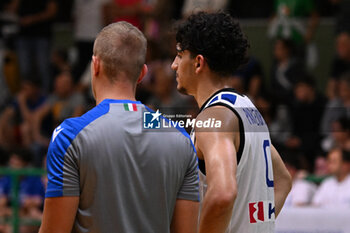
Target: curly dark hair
{"x":216,"y":36}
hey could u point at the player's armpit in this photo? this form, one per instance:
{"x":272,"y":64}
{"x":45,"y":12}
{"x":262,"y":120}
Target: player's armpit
{"x":185,"y":217}
{"x":59,"y":214}
{"x":282,"y":180}
{"x":219,"y":153}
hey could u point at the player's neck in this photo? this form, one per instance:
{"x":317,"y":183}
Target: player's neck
{"x":117,"y":91}
{"x":206,"y":88}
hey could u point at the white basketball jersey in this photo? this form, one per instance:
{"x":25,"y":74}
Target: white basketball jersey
{"x":254,"y":208}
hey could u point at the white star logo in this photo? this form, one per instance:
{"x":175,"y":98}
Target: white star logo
{"x":156,"y":115}
{"x":56,"y":132}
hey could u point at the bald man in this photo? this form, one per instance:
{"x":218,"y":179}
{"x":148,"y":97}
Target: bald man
{"x":105,"y":174}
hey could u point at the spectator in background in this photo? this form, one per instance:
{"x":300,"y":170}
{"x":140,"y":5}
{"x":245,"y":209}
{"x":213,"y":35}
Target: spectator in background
{"x":130,"y":11}
{"x":342,"y":15}
{"x":166,"y":98}
{"x":252,"y":77}
{"x":16,"y":120}
{"x":286,"y":71}
{"x":340,"y":64}
{"x":33,"y":43}
{"x":28,"y":101}
{"x":339,"y":136}
{"x":158,"y":58}
{"x":8,"y":23}
{"x":302,"y":190}
{"x":65,"y":102}
{"x":4,"y":92}
{"x":9,"y":77}
{"x":194,"y":6}
{"x":337,"y":107}
{"x":335,"y":190}
{"x":162,"y":12}
{"x":19,"y":115}
{"x":60,"y":61}
{"x":321,"y":167}
{"x":306,"y":114}
{"x":31,"y":189}
{"x":88,"y":21}
{"x":279,"y":121}
{"x":288,"y":23}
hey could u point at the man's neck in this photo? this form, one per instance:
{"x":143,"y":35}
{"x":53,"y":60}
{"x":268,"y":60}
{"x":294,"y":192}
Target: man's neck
{"x":117,"y":91}
{"x":206,"y":89}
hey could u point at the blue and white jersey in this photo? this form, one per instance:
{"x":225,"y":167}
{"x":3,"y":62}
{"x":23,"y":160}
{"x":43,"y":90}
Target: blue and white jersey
{"x":127,"y":179}
{"x":254,"y":208}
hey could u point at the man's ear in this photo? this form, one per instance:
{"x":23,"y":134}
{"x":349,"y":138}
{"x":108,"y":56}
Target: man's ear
{"x":199,"y":63}
{"x":143,"y":73}
{"x":96,"y":64}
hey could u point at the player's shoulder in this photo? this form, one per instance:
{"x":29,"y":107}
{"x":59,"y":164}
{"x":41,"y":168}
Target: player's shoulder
{"x":224,"y":96}
{"x":223,"y":102}
{"x":69,"y":129}
{"x":214,"y":110}
{"x":219,"y":119}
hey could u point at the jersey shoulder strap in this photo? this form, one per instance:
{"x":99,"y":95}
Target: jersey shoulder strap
{"x":227,"y":97}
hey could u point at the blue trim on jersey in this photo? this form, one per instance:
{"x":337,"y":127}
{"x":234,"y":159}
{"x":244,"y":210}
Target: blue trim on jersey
{"x":229,"y":97}
{"x":213,"y":100}
{"x":121,"y":101}
{"x":58,"y":147}
{"x":181,"y":129}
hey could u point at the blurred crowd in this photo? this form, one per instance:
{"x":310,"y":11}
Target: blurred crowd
{"x":41,"y":85}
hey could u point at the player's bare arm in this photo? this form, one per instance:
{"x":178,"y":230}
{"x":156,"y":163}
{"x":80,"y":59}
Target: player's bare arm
{"x":59,"y":214}
{"x":185,"y":217}
{"x":282,"y":180}
{"x":217,"y":148}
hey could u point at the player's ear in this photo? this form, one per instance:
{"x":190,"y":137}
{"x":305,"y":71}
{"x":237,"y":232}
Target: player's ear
{"x":144,"y":71}
{"x":199,"y":63}
{"x":96,"y":65}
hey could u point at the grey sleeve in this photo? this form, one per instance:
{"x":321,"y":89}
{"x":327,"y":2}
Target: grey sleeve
{"x":190,"y":186}
{"x":71,"y":181}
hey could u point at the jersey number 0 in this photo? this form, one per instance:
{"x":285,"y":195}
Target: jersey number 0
{"x":269,"y":182}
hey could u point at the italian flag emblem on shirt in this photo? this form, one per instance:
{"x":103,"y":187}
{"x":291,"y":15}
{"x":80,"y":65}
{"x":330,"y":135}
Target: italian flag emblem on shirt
{"x":130,"y":107}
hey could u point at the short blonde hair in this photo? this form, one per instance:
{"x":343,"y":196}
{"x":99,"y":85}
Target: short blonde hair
{"x":121,"y":48}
